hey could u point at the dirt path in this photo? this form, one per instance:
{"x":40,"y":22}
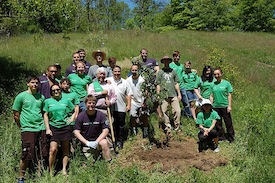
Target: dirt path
{"x":177,"y":157}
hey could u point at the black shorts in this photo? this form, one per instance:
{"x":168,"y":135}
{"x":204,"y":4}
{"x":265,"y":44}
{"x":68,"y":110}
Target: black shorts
{"x":61,"y":134}
{"x":34,"y":145}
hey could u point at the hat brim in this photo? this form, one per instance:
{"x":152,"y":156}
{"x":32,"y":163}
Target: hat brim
{"x":103,"y":54}
{"x":162,"y":60}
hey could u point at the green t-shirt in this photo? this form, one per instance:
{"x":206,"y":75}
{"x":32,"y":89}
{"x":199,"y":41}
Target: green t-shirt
{"x":190,"y":80}
{"x":79,"y":85}
{"x":206,"y":119}
{"x":30,"y":108}
{"x":168,"y":78}
{"x":220,"y":93}
{"x":179,"y":69}
{"x":72,"y":96}
{"x":58,"y":79}
{"x":206,"y":88}
{"x":58,"y":111}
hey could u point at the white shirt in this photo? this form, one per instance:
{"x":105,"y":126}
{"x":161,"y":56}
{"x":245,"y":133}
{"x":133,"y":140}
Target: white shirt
{"x":135,"y":85}
{"x":122,"y":89}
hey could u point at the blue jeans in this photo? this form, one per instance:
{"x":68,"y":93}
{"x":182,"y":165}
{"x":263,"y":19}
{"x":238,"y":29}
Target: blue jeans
{"x":185,"y":102}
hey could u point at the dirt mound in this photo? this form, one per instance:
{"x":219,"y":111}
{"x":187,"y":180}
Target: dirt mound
{"x":178,"y":156}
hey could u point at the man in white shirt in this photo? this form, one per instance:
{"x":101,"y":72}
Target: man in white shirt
{"x":139,"y":111}
{"x":122,"y":105}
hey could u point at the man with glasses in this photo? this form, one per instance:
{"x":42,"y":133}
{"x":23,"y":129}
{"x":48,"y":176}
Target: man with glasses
{"x":47,"y":80}
{"x":99,"y":56}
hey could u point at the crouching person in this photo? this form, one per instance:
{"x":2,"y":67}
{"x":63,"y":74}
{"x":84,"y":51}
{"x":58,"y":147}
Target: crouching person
{"x":206,"y":120}
{"x":92,"y":128}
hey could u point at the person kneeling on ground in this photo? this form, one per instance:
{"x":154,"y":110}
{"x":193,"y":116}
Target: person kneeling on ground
{"x":92,"y":128}
{"x":207,"y":121}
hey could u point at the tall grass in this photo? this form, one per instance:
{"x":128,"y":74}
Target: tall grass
{"x":252,"y":55}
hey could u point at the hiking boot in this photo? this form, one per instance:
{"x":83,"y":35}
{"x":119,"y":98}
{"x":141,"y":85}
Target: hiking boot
{"x":145,"y":132}
{"x":217,"y":150}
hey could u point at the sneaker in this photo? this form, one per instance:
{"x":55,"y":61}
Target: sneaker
{"x":217,"y":150}
{"x":21,"y":180}
{"x":119,"y":145}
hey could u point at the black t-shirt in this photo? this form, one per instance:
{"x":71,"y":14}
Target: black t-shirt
{"x":91,"y":126}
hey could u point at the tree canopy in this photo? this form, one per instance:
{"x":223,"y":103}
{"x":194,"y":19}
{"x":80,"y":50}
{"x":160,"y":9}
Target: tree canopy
{"x":88,"y":15}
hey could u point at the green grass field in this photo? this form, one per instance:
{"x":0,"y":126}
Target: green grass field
{"x":248,"y":60}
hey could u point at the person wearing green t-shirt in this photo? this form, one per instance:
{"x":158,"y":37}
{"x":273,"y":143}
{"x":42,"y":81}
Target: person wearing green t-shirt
{"x":221,"y":97}
{"x":27,"y":110}
{"x":71,"y":96}
{"x":206,"y":120}
{"x":190,"y":80}
{"x":168,"y":78}
{"x":80,"y":82}
{"x":179,"y":68}
{"x":205,"y":84}
{"x":57,"y":118}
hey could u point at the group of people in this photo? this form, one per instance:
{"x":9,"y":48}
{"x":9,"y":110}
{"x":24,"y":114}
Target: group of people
{"x":56,"y":109}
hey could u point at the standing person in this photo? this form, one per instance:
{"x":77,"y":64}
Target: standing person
{"x":46,"y":81}
{"x":57,"y":118}
{"x":222,"y":102}
{"x":190,"y":81}
{"x":58,"y":75}
{"x":92,"y":128}
{"x":82,"y":55}
{"x":206,"y":120}
{"x":123,"y":104}
{"x":71,"y":68}
{"x":27,"y":111}
{"x":178,"y":67}
{"x":80,"y":82}
{"x":149,"y":68}
{"x":168,"y":78}
{"x":205,"y":84}
{"x":143,"y":60}
{"x":99,"y":56}
{"x":103,"y":91}
{"x":65,"y":85}
{"x":112,"y":62}
{"x":139,"y":111}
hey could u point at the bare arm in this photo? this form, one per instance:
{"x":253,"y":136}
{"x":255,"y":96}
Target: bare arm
{"x":47,"y":125}
{"x":158,"y":89}
{"x":178,"y":91}
{"x":229,"y":108}
{"x":156,"y":68}
{"x":75,"y":114}
{"x":103,"y":135}
{"x":211,"y":98}
{"x":198,"y":93}
{"x":16,"y":117}
{"x":80,"y":137}
{"x":128,"y":102}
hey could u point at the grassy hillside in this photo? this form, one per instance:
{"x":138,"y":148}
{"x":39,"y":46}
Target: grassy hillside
{"x":248,"y":60}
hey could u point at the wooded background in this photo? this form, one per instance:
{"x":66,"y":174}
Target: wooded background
{"x":56,"y":16}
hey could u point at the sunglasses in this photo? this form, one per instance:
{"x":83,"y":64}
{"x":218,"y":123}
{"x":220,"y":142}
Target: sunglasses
{"x":56,"y":90}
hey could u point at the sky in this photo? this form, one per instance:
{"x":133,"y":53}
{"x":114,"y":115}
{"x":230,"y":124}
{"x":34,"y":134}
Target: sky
{"x":131,"y":4}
